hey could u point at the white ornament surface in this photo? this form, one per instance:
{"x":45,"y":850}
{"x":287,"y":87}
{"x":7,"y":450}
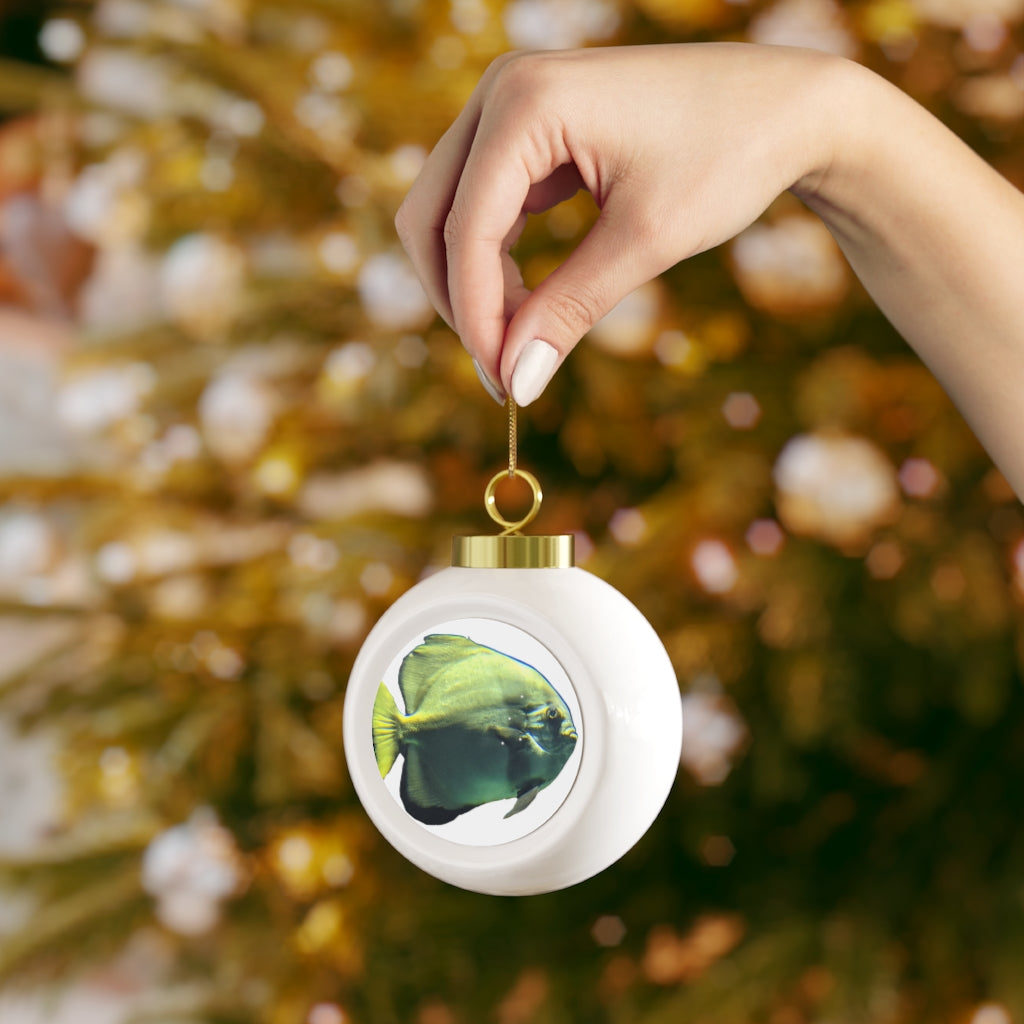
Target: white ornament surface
{"x":631,"y":724}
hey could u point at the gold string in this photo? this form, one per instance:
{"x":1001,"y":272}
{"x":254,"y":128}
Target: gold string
{"x":512,"y":527}
{"x":513,"y":441}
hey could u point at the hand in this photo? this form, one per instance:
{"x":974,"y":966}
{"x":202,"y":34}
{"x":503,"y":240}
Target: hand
{"x":681,"y":147}
{"x":684,"y":146}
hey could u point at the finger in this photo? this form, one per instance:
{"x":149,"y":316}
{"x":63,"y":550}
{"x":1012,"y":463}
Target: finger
{"x":550,"y":192}
{"x":609,"y":263}
{"x":504,"y":164}
{"x":515,"y":290}
{"x":421,"y":217}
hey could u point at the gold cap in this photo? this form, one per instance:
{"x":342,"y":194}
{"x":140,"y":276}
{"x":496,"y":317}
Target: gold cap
{"x":513,"y":551}
{"x":510,"y":549}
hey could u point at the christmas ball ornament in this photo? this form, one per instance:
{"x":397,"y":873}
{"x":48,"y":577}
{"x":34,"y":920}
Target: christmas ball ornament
{"x":512,"y":723}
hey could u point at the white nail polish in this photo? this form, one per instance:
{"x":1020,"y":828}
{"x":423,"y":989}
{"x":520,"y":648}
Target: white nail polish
{"x":534,"y":369}
{"x":489,"y":386}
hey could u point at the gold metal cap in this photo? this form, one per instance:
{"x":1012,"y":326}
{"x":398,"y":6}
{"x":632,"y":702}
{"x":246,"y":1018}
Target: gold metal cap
{"x":513,"y":551}
{"x":510,"y":549}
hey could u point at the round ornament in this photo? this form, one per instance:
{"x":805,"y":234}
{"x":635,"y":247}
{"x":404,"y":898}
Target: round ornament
{"x":512,"y":723}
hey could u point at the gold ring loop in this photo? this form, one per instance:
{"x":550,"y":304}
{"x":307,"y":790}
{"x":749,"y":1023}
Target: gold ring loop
{"x":490,"y":503}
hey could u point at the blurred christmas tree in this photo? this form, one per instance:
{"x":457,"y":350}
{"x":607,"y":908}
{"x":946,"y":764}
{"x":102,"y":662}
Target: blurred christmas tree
{"x":265,"y":437}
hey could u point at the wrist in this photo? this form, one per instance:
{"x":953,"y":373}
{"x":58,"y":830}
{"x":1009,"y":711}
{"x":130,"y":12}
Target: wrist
{"x":842,"y":108}
{"x":878,"y":183}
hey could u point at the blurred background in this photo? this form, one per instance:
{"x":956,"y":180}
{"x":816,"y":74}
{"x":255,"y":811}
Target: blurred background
{"x":232,"y":432}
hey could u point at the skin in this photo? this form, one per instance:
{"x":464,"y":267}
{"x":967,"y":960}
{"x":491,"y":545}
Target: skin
{"x":682,"y":147}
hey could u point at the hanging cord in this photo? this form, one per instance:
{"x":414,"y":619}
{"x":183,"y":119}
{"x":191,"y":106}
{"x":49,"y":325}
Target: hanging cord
{"x":513,"y":436}
{"x":512,"y":527}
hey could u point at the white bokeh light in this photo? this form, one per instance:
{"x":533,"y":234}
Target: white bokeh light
{"x":714,"y":566}
{"x":835,"y":487}
{"x":392,"y":295}
{"x":559,"y":24}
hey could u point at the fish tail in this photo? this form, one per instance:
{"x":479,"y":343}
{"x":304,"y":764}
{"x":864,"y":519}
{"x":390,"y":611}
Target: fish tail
{"x":386,"y":723}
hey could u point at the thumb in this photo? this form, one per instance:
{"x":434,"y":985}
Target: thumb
{"x":608,"y":264}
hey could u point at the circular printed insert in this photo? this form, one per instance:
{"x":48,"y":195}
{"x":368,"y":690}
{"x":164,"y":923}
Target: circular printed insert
{"x":477,"y":731}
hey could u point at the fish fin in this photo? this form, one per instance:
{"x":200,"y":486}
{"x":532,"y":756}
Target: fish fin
{"x":386,"y":722}
{"x":418,"y":797}
{"x":525,"y":799}
{"x":417,"y":783}
{"x":454,"y":642}
{"x":533,"y":743}
{"x":435,"y":815}
{"x":421,"y":665}
{"x":507,"y":735}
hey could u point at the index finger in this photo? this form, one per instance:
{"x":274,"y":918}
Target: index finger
{"x":503,"y":165}
{"x":421,"y":218}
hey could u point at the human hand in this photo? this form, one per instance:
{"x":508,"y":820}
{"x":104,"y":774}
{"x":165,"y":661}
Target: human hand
{"x":681,"y":146}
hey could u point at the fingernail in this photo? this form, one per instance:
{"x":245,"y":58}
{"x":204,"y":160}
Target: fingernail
{"x":489,"y":386}
{"x":534,"y":369}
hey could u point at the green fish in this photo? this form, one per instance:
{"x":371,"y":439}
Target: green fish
{"x":479,"y":726}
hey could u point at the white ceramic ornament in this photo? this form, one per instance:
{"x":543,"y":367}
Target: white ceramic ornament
{"x":512,"y":723}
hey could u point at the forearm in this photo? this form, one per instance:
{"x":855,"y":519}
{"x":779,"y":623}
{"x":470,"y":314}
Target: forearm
{"x":937,"y":238}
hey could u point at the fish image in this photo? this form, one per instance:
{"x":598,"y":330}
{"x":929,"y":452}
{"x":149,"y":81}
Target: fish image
{"x":479,"y":726}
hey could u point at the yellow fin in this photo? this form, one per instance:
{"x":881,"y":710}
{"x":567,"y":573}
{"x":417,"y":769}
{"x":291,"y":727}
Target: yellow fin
{"x":386,"y":722}
{"x":421,"y":667}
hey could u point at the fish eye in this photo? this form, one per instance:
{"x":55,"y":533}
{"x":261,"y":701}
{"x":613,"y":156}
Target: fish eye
{"x":553,"y":713}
